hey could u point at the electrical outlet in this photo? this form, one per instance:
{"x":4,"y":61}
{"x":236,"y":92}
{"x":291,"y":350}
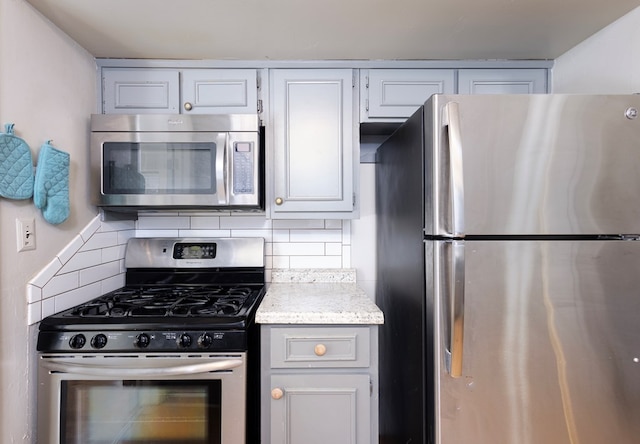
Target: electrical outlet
{"x":26,"y":232}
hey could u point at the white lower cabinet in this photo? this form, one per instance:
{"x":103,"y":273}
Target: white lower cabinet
{"x":319,"y":384}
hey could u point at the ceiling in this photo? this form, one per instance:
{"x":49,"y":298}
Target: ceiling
{"x":331,"y":29}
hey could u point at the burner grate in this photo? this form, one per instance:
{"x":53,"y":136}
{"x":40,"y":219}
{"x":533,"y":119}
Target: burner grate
{"x":167,"y":302}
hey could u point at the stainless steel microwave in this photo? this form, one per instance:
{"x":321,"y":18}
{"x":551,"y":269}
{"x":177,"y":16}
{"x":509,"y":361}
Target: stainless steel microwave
{"x":175,"y":161}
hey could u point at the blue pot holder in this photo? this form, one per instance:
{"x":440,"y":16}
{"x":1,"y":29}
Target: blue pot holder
{"x":16,"y":166}
{"x":51,"y":186}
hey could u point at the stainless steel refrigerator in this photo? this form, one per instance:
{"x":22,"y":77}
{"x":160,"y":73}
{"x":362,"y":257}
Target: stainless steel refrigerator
{"x":508,"y":269}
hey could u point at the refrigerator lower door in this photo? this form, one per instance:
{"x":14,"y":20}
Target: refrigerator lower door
{"x":551,"y":342}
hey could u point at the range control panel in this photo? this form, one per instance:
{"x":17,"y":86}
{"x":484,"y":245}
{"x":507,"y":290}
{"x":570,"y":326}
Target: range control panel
{"x":134,"y":340}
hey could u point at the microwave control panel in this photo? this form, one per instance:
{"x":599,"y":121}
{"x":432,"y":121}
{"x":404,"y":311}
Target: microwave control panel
{"x":243,"y":158}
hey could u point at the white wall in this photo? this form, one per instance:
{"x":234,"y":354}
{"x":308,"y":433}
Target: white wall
{"x":606,"y":63}
{"x":47,"y":89}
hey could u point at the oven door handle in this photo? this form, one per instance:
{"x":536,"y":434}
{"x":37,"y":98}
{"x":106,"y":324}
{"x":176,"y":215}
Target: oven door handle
{"x":123,"y":372}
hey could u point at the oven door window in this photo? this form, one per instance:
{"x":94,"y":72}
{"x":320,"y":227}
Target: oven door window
{"x":159,"y":167}
{"x":136,"y":412}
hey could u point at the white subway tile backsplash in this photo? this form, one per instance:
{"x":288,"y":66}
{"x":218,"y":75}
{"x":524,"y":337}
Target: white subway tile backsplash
{"x":346,"y":232}
{"x":71,"y":249}
{"x":93,"y":262}
{"x":91,"y":228}
{"x":34,"y":313}
{"x":265,"y":234}
{"x":205,"y":223}
{"x":101,"y":240}
{"x":315,"y":262}
{"x":333,"y":249}
{"x":298,"y":249}
{"x":74,"y":297}
{"x":124,"y":236}
{"x":114,"y":253}
{"x":61,"y":284}
{"x":48,"y":307}
{"x":280,"y":235}
{"x":82,"y":259}
{"x":280,"y":262}
{"x":315,"y":236}
{"x":112,"y":283}
{"x":288,"y":224}
{"x":118,"y":225}
{"x":45,"y":275}
{"x":163,"y":223}
{"x":246,"y":222}
{"x":99,"y":272}
{"x":204,"y":233}
{"x":34,"y":294}
{"x":157,"y":233}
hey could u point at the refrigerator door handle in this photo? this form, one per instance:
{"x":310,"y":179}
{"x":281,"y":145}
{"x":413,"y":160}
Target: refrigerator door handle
{"x":454,"y":291}
{"x":451,"y":118}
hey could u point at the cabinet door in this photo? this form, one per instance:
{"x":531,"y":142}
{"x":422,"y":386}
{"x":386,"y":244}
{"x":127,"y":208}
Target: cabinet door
{"x":313,"y":135}
{"x":140,"y":90}
{"x":219,"y":91}
{"x":397,"y":93}
{"x":320,"y":409}
{"x":502,"y":81}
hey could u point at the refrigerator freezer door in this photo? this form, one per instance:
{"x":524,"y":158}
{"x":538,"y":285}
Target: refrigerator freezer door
{"x":551,"y":351}
{"x":533,"y":164}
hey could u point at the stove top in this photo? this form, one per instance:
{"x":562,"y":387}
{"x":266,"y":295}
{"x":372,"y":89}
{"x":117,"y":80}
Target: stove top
{"x":180,"y":294}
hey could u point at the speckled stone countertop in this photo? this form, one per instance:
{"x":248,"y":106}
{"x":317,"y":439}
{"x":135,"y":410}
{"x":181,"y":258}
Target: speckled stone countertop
{"x":328,"y":296}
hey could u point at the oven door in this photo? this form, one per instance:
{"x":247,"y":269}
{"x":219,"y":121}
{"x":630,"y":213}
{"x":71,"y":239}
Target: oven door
{"x":176,"y":169}
{"x":137,"y":398}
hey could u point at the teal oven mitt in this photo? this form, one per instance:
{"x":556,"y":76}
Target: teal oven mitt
{"x":16,"y":166}
{"x":51,"y":186}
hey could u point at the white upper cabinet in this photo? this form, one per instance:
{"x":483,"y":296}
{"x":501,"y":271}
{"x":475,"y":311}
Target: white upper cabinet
{"x":140,"y":91}
{"x":218,"y":91}
{"x":195,"y":91}
{"x":315,"y":155}
{"x":397,"y":93}
{"x":394,"y":94}
{"x":502,"y":81}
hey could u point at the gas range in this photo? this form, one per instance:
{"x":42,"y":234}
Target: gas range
{"x":179,"y":295}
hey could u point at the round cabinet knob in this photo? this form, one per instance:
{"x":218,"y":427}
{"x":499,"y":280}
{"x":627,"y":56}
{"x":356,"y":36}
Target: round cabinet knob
{"x":188,"y":106}
{"x":277,"y":393}
{"x":279,"y":200}
{"x":142,"y":340}
{"x":99,"y":341}
{"x":320,"y":349}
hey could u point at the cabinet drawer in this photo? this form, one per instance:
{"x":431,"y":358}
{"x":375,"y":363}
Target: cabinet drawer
{"x":325,"y":347}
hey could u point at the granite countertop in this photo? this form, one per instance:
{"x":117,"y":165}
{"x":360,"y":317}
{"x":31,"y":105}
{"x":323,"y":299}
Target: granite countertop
{"x":317,"y":297}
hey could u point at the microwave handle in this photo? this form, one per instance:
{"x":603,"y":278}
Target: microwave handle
{"x":221,"y":168}
{"x":123,"y":372}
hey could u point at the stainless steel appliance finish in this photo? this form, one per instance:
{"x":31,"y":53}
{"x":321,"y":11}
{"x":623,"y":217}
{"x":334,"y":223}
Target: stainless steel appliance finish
{"x":177,"y":161}
{"x":507,"y":270}
{"x":141,"y":398}
{"x":170,"y":357}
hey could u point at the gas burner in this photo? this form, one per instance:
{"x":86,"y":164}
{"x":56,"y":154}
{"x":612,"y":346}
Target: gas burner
{"x":167,"y":302}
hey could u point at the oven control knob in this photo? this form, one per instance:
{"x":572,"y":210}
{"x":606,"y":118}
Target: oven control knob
{"x":205,"y":340}
{"x":77,"y":341}
{"x":99,"y":341}
{"x":142,"y":340}
{"x":184,"y":340}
